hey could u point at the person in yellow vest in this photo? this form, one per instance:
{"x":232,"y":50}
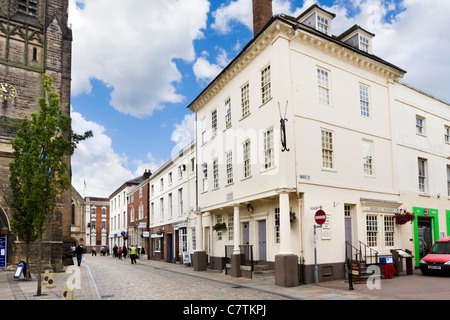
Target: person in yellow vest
{"x":133,"y":254}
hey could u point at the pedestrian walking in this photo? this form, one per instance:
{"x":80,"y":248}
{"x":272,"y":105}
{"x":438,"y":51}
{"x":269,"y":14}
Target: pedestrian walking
{"x":79,"y":254}
{"x":119,"y":252}
{"x":94,"y":251}
{"x":133,"y":254}
{"x":142,"y":253}
{"x":124,"y":252}
{"x":115,"y":251}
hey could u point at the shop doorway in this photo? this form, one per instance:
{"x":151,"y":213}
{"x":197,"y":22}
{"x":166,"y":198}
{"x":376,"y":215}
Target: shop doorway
{"x":262,"y":240}
{"x":246,"y":233}
{"x":425,"y":235}
{"x":170,"y":236}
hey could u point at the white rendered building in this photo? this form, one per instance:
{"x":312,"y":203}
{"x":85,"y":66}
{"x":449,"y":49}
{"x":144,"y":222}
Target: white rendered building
{"x":172,"y":201}
{"x":302,"y":120}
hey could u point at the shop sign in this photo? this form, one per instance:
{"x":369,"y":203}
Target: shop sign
{"x":355,"y":267}
{"x":186,"y":257}
{"x":2,"y":251}
{"x":381,"y":209}
{"x":155,"y":235}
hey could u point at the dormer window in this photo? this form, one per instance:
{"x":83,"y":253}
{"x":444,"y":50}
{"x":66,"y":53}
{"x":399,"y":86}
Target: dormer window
{"x":28,"y":7}
{"x":358,"y":38}
{"x":364,"y":44}
{"x":322,"y":24}
{"x":317,"y":18}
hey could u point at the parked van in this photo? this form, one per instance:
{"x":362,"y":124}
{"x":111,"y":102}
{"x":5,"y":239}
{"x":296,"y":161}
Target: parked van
{"x":437,"y":261}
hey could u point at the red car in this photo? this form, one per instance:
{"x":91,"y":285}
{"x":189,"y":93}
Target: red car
{"x":437,"y":261}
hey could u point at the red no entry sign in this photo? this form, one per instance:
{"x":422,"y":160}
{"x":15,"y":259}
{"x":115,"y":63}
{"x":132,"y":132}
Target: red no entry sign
{"x":320,"y":217}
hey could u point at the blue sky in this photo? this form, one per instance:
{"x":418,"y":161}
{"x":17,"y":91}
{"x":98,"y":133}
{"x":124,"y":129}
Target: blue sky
{"x":138,"y":64}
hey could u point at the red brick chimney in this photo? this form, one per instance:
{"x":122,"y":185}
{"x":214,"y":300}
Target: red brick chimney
{"x":262,"y":13}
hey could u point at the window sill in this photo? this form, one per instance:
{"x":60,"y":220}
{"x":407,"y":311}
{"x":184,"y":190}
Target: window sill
{"x":245,"y":117}
{"x":421,"y":135}
{"x":329,"y":170}
{"x":423,"y":194}
{"x":265,"y":170}
{"x":262,"y":105}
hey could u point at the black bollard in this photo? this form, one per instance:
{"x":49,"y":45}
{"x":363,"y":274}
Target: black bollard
{"x":350,"y":277}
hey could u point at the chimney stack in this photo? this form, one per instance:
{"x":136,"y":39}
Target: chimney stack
{"x":262,"y":13}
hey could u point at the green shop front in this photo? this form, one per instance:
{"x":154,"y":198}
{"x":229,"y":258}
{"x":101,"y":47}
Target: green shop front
{"x":426,"y":230}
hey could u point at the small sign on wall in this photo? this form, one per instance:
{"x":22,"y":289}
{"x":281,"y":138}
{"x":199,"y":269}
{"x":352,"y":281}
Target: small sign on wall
{"x":326,"y":228}
{"x":186,"y":257}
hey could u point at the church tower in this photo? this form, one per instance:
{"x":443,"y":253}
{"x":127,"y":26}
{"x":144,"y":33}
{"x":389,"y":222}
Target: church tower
{"x":34,"y":39}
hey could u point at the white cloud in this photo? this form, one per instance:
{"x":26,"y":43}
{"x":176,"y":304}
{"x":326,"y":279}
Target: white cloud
{"x":241,"y":11}
{"x":184,"y":133}
{"x":151,"y":164}
{"x":95,"y":161}
{"x":103,"y":170}
{"x":132,"y":51}
{"x":204,"y":70}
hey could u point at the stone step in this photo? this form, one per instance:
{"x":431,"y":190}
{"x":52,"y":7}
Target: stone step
{"x":260,"y":267}
{"x":262,"y":271}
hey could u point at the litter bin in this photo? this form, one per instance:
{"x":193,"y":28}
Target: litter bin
{"x":387,"y":264}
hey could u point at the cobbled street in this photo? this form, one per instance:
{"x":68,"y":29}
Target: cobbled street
{"x":119,"y":279}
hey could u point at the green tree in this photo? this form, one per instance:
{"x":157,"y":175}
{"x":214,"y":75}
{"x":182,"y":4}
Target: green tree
{"x":39,"y":173}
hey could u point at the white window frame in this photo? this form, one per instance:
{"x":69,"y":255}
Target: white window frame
{"x":246,"y":146}
{"x":180,"y":201}
{"x":266,"y":85}
{"x":245,"y":100}
{"x":372,"y":234}
{"x":229,"y":166}
{"x":364,"y":100}
{"x":269,"y":151}
{"x":323,"y":83}
{"x":141,"y":211}
{"x":327,"y":140}
{"x":231,"y":226}
{"x":205,"y":177}
{"x":219,"y":232}
{"x":228,"y":112}
{"x":448,"y":180}
{"x":170,"y":205}
{"x":214,"y":123}
{"x":364,"y":44}
{"x":389,"y":231}
{"x":422,"y":175}
{"x":203,"y":123}
{"x":447,"y":134}
{"x":420,"y":125}
{"x":322,"y":24}
{"x":152,"y":212}
{"x":215,"y":173}
{"x":368,"y":157}
{"x":161,"y":209}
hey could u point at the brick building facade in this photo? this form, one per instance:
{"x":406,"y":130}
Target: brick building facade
{"x":97,"y":222}
{"x":34,"y":39}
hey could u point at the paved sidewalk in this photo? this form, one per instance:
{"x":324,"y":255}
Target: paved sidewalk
{"x":391,"y":289}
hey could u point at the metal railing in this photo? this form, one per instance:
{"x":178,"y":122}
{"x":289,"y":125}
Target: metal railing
{"x":351,"y":252}
{"x":372,"y":258}
{"x":364,"y":254}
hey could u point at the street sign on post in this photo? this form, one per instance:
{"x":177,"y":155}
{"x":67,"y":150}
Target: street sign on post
{"x":320,"y":217}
